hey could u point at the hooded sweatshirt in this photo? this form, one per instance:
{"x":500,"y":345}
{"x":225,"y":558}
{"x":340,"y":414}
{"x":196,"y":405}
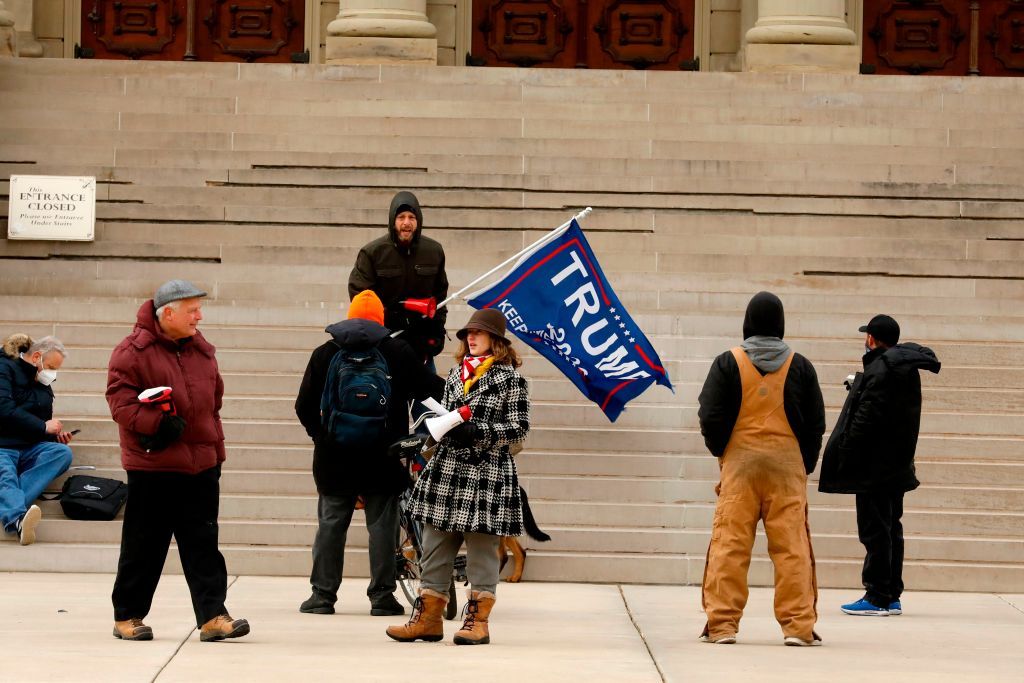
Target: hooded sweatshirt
{"x":344,"y":473}
{"x":395,"y":271}
{"x":764,"y":325}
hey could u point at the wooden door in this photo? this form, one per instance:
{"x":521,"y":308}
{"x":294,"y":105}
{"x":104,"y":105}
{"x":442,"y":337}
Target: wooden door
{"x":600,"y":34}
{"x":917,"y":36}
{"x":194,"y":30}
{"x":1001,"y":50}
{"x":944,"y":37}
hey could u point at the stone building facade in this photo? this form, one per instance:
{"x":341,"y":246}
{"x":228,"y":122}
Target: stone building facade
{"x":951,"y":37}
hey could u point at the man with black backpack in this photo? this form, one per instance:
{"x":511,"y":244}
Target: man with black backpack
{"x":353,"y":402}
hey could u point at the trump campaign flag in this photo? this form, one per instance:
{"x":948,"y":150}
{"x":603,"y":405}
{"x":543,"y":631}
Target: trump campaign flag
{"x":557,"y":299}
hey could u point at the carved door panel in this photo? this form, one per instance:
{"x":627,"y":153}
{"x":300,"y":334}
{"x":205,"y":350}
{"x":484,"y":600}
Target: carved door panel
{"x":1001,"y":51}
{"x":605,"y":34}
{"x":200,"y":30}
{"x":945,"y":37}
{"x":917,"y":36}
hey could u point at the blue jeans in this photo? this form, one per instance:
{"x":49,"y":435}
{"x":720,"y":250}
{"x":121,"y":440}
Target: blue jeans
{"x":25,"y":473}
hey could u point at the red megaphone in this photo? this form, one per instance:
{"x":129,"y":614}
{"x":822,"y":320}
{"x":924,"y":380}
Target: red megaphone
{"x":161,"y":397}
{"x":425,"y":307}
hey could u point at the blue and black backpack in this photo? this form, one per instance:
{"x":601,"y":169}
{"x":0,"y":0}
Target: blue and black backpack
{"x":356,"y":398}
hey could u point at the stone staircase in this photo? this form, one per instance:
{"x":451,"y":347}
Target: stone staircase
{"x":846,"y":196}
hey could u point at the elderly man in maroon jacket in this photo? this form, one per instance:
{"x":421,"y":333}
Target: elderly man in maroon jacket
{"x":172,"y":452}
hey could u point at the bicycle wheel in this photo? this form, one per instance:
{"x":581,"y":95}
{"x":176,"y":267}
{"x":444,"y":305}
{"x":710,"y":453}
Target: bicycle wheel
{"x":407,"y":558}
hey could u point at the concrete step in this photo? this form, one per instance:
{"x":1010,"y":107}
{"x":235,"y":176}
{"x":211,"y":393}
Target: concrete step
{"x":692,"y":542}
{"x":627,"y":489}
{"x":246,"y":336}
{"x":283,"y":387}
{"x":576,"y":413}
{"x":541,"y":566}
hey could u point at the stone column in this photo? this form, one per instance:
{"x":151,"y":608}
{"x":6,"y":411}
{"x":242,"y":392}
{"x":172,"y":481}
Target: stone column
{"x":8,"y":36}
{"x":382,"y":32}
{"x":801,"y":35}
{"x":28,"y":46}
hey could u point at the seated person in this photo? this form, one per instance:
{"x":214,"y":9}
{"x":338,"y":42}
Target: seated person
{"x":33,"y":445}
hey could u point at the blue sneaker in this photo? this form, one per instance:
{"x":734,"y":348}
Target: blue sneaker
{"x":863,"y":608}
{"x":895,"y":608}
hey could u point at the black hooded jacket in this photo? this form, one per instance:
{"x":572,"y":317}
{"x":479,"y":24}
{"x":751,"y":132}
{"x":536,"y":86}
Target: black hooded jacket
{"x":722,"y":394}
{"x":395,"y":272}
{"x":874,"y":441}
{"x":340,"y":473}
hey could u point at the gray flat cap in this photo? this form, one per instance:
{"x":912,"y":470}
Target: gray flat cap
{"x":176,"y":290}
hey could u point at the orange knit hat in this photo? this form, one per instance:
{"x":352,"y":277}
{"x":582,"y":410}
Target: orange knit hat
{"x":367,"y":305}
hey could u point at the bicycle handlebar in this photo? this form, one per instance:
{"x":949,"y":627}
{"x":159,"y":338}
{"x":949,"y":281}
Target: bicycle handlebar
{"x":421,"y":418}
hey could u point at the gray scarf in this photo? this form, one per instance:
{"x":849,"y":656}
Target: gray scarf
{"x":766,"y":353}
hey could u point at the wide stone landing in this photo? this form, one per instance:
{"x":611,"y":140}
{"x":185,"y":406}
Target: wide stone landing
{"x":56,"y":627}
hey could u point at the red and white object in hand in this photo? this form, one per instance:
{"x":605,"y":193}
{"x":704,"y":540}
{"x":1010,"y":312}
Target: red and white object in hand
{"x":442,"y":424}
{"x":160,"y":397}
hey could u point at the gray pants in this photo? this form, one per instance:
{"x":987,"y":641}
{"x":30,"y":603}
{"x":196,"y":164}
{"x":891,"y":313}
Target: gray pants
{"x":440,"y":549}
{"x":335,"y":515}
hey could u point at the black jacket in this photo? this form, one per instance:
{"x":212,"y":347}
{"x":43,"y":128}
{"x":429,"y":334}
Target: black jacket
{"x":395,"y":272}
{"x":873,"y":444}
{"x":722,"y":395}
{"x":341,"y":473}
{"x":25,"y":405}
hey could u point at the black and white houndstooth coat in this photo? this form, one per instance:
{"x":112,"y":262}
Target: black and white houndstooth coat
{"x":476,"y":488}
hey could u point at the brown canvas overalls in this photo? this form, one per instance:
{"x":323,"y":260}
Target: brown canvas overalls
{"x":763,"y":478}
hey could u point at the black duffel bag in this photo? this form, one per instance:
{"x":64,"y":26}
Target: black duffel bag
{"x":92,"y":498}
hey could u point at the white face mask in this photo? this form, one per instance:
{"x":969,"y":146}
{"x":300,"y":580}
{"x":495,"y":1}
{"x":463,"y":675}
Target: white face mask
{"x":46,"y":377}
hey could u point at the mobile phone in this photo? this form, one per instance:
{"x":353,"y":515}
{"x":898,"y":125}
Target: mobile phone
{"x":75,"y":431}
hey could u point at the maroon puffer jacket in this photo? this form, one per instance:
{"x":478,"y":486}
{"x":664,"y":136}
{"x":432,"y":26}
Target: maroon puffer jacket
{"x":148,"y":358}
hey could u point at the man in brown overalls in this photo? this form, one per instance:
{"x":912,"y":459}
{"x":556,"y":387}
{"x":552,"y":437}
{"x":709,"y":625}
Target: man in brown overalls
{"x":762,"y":414}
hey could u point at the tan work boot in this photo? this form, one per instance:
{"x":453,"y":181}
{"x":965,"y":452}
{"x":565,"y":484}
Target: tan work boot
{"x":474,"y":627}
{"x":132,"y":629}
{"x":426,"y":622}
{"x":223,"y":626}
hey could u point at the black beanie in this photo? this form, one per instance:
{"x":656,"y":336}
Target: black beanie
{"x":764,"y":317}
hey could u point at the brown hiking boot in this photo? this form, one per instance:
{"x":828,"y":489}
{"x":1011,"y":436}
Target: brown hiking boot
{"x":474,"y":627}
{"x":132,"y":629}
{"x":426,"y":622}
{"x":222,"y":627}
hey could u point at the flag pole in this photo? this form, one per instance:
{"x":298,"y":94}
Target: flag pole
{"x":543,"y":240}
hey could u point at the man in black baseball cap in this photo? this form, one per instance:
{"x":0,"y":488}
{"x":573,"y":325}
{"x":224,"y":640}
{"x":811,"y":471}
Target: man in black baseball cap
{"x":871,"y":454}
{"x":883,"y":329}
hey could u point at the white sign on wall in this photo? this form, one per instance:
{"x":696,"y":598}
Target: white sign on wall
{"x":52,"y":208}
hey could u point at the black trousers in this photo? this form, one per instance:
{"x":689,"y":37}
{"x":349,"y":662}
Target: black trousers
{"x":334,"y":514}
{"x":161,"y":505}
{"x":881,"y":531}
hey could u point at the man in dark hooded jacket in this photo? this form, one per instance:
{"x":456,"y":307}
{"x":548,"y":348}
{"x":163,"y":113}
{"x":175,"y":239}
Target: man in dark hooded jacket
{"x":871,"y":453}
{"x":402,"y":265}
{"x":761,"y":413}
{"x":341,"y":476}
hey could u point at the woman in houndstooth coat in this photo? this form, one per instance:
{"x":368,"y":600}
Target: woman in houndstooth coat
{"x":469,"y":491}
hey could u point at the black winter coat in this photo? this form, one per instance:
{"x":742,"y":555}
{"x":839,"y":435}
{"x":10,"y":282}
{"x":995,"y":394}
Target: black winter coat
{"x":341,"y":473}
{"x":722,"y":395}
{"x":395,"y":272}
{"x":873,"y":444}
{"x":25,"y":405}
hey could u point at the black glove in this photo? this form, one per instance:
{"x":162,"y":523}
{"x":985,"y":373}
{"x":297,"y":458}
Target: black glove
{"x":463,"y":434}
{"x":170,"y":430}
